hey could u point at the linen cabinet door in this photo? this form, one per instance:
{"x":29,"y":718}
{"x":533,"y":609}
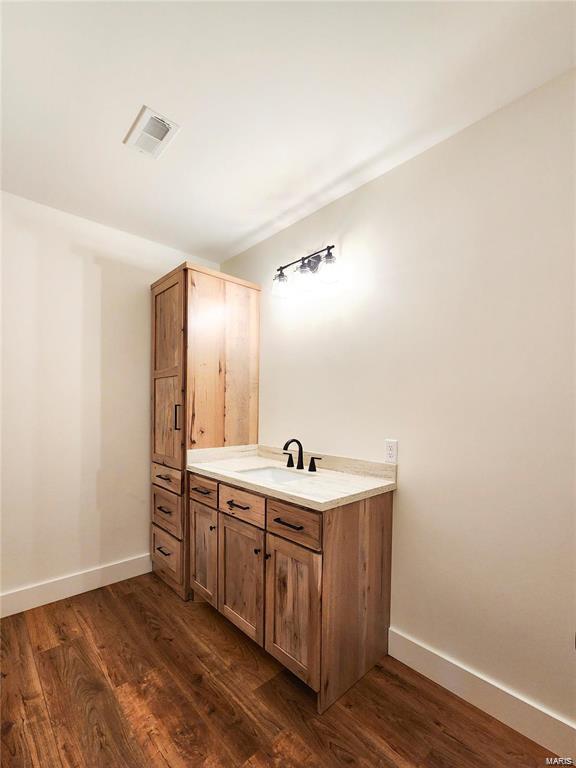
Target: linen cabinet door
{"x":293,"y":590}
{"x":206,"y":371}
{"x":242,"y":355}
{"x":167,"y":421}
{"x":223,"y":338}
{"x":204,"y":551}
{"x":241,"y":575}
{"x":167,"y":371}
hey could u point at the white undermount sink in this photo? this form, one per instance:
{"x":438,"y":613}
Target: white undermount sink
{"x":274,"y":475}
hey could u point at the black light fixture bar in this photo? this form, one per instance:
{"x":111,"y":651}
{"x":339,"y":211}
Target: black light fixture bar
{"x":317,"y":255}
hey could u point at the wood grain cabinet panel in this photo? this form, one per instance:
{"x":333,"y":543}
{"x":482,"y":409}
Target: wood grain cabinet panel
{"x":295,"y":523}
{"x":206,"y":360}
{"x":293,"y":590}
{"x":167,"y":511}
{"x":242,"y":504}
{"x":167,"y":428}
{"x":168,"y":478}
{"x":241,"y":575}
{"x":355,"y":593}
{"x":167,"y":553}
{"x":204,"y":551}
{"x":168,"y":435}
{"x":222,"y":362}
{"x":168,"y":314}
{"x":242,"y":354}
{"x":203,"y":489}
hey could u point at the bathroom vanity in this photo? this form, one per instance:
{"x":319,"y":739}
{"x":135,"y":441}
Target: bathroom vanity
{"x":300,"y":562}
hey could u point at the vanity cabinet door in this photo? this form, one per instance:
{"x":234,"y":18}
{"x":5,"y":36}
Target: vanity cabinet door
{"x":204,"y":551}
{"x":293,"y":588}
{"x":241,"y":575}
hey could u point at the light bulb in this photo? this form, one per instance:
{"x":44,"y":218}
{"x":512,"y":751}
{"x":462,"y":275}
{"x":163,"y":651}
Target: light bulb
{"x":280,"y":285}
{"x":330,"y":272}
{"x":303,"y":276}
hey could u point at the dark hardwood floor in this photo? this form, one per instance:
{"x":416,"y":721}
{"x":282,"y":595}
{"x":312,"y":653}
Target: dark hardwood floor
{"x":129,"y":675}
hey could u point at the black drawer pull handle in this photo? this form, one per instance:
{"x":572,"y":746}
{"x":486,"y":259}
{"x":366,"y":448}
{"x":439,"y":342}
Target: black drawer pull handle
{"x":288,"y":525}
{"x":163,"y":551}
{"x":164,"y":477}
{"x":203,"y":491}
{"x":165,"y":510}
{"x":257,"y":551}
{"x":177,"y":426}
{"x":212,"y":527}
{"x":231,"y":503}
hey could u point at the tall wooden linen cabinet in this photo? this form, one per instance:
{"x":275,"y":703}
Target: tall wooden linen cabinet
{"x":204,"y":393}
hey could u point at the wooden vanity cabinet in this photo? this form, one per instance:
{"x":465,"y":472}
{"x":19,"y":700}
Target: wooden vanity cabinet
{"x":313,"y":588}
{"x":204,"y":394}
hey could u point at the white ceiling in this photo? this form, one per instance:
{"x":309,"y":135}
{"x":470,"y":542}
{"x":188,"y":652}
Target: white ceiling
{"x":282,"y":106}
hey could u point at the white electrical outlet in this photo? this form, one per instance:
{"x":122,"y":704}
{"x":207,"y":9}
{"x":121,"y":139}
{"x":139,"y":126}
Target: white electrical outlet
{"x":391,"y":448}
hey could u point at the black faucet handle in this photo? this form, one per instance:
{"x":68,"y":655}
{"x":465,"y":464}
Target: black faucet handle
{"x":290,"y":462}
{"x":312,"y":465}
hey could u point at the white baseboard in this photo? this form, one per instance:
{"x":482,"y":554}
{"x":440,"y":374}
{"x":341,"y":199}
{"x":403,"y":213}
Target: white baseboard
{"x":551,"y":730}
{"x":33,"y":595}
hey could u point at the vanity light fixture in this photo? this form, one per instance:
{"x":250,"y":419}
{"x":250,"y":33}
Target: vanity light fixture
{"x":323,"y":259}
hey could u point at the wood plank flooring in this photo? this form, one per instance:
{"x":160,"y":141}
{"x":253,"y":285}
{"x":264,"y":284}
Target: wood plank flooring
{"x":130,"y":676}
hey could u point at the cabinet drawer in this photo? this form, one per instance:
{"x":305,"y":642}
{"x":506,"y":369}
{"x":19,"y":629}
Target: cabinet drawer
{"x":203,"y":489}
{"x":300,"y":525}
{"x":167,"y":553}
{"x":167,"y":511}
{"x":168,"y":478}
{"x":242,"y":504}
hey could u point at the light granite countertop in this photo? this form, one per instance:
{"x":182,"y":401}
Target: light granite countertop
{"x":325,"y":489}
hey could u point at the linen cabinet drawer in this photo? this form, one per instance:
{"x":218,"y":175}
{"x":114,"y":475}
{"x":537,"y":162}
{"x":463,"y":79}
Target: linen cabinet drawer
{"x":167,"y":553}
{"x":204,"y":490}
{"x":168,"y":478}
{"x":243,"y":505}
{"x":295,"y":523}
{"x":167,"y":511}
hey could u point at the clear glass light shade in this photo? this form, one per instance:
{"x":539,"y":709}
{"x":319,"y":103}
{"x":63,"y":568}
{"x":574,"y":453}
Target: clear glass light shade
{"x":302,"y":277}
{"x":280,"y":285}
{"x":329,"y":272}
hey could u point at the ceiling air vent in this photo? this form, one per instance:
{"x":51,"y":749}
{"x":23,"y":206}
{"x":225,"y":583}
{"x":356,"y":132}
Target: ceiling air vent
{"x":151,"y":133}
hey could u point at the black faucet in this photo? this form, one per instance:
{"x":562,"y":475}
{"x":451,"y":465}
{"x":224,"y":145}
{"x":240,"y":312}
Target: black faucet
{"x":300,"y":464}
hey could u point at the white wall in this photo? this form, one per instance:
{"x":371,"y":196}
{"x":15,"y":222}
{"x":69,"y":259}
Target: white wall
{"x":454,"y":333}
{"x":75,"y":431}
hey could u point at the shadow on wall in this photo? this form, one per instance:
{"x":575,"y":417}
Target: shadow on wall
{"x":76,"y":372}
{"x":115,"y":410}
